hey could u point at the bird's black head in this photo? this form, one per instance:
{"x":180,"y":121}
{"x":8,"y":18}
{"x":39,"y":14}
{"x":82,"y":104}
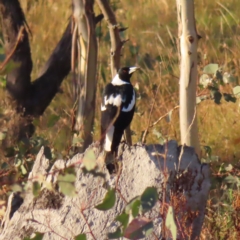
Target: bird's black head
{"x":125,"y":73}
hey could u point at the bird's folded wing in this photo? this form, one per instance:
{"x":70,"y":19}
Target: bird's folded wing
{"x":110,"y":107}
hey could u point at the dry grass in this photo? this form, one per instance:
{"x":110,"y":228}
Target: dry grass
{"x":153,"y":35}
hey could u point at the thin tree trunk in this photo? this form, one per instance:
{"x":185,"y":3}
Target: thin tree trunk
{"x":84,"y":21}
{"x":188,"y":73}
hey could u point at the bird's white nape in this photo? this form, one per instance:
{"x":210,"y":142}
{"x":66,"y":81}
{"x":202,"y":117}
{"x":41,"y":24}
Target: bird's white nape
{"x":109,"y":139}
{"x":118,"y":82}
{"x":131,"y":104}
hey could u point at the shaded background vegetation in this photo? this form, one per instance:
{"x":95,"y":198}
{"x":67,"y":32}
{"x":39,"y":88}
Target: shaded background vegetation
{"x":152,"y":46}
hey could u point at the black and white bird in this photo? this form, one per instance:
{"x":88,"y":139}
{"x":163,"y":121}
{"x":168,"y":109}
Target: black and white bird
{"x":117,"y":108}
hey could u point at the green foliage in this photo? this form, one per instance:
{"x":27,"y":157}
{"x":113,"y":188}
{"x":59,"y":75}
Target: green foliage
{"x":210,"y":68}
{"x":81,"y":237}
{"x":213,"y":79}
{"x":36,"y":188}
{"x":108,"y":201}
{"x":38,"y":236}
{"x":148,"y":199}
{"x":139,"y":226}
{"x":66,"y":182}
{"x":89,"y":160}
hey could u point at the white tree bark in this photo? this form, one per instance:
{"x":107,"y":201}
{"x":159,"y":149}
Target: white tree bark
{"x":188,"y":73}
{"x":84,"y":32}
{"x":63,"y":217}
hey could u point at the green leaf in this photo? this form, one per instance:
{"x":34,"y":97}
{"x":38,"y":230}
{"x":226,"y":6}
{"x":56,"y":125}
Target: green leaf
{"x":66,"y":184}
{"x":136,"y":207}
{"x":89,"y":160}
{"x":133,"y":206}
{"x":52,"y":120}
{"x":139,"y":228}
{"x":117,"y":234}
{"x":38,"y":236}
{"x":108,"y":201}
{"x":23,"y":170}
{"x":36,"y":188}
{"x":236,"y":90}
{"x":170,"y":223}
{"x":123,"y":219}
{"x":149,"y":199}
{"x":81,"y":237}
{"x":210,"y":68}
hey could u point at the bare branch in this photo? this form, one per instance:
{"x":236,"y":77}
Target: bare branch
{"x":156,"y":122}
{"x":116,"y":42}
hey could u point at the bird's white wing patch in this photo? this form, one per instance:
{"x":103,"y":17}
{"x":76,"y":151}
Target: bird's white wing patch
{"x":108,"y":139}
{"x":131,"y":104}
{"x":112,"y":100}
{"x":118,"y":82}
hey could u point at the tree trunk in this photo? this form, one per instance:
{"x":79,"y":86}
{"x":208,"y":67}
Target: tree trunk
{"x":183,"y":184}
{"x":30,"y":99}
{"x":188,"y":73}
{"x":84,"y":21}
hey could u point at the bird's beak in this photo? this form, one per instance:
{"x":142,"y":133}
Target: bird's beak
{"x":133,"y":69}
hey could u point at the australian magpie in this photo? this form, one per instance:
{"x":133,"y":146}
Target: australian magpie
{"x":117,"y":108}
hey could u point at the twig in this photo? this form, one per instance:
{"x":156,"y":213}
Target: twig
{"x":90,"y":230}
{"x":116,"y":42}
{"x":156,"y":122}
{"x":47,"y":226}
{"x":7,"y":59}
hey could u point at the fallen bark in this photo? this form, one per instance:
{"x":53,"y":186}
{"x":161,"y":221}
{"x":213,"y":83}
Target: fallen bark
{"x":182,"y":182}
